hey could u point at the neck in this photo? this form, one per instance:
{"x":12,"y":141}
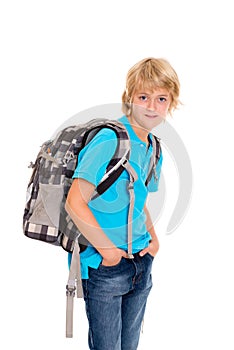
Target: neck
{"x":139,"y":131}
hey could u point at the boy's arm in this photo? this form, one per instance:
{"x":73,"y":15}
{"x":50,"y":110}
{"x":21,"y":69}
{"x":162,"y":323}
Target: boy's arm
{"x":77,"y":207}
{"x":153,"y":247}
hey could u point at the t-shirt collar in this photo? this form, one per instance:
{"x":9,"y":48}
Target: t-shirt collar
{"x":133,"y":136}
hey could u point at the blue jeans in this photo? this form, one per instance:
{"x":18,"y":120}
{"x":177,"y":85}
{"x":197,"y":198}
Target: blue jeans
{"x":115,"y":299}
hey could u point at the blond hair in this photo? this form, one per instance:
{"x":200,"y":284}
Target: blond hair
{"x":151,"y":73}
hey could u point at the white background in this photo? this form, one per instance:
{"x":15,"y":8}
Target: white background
{"x":61,"y":57}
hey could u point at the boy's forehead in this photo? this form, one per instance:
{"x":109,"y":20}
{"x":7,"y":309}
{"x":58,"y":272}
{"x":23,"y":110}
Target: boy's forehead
{"x":151,"y":86}
{"x":155,"y":90}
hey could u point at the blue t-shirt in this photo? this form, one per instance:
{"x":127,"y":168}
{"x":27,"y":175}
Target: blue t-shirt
{"x":111,"y":208}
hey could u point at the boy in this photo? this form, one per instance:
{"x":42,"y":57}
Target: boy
{"x":116,"y":287}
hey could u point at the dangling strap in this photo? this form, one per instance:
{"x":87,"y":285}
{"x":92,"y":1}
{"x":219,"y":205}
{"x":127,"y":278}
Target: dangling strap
{"x":74,"y":286}
{"x":132,"y":178}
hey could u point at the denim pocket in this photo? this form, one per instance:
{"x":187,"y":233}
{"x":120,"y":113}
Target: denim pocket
{"x":112,"y":266}
{"x":151,"y":256}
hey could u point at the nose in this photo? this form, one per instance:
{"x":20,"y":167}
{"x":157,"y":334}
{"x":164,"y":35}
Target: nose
{"x":151,"y":104}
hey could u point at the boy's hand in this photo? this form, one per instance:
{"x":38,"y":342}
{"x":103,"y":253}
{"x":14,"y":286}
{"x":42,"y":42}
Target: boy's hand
{"x":152,"y":248}
{"x":112,"y":257}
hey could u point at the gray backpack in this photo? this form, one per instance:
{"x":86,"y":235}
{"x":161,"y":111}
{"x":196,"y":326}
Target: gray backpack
{"x":45,"y":217}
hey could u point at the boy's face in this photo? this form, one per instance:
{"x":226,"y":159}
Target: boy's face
{"x":150,"y":108}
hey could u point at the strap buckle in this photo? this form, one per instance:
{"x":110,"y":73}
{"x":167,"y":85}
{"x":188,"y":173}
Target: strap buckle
{"x":70,"y":291}
{"x":130,"y":256}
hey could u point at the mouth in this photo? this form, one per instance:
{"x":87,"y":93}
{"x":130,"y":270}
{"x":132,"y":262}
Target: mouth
{"x":151,"y":116}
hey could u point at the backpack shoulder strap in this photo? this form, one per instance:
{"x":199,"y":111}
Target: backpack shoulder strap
{"x":121,"y":156}
{"x":154,"y":159}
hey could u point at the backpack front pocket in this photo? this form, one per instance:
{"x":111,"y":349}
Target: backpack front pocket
{"x":47,"y":206}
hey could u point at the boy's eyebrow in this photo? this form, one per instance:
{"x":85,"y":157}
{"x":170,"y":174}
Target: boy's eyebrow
{"x":149,"y":93}
{"x":143,"y":93}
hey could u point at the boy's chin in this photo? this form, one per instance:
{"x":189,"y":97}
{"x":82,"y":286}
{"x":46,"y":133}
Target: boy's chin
{"x":155,"y":122}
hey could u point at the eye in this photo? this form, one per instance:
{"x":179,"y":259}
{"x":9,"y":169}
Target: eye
{"x":143,"y":98}
{"x":162,"y":99}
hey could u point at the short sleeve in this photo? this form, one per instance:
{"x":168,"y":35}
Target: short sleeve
{"x":94,"y":157}
{"x":154,"y":183}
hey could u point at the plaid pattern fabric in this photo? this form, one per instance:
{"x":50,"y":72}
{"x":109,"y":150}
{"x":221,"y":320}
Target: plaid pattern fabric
{"x":44,"y":216}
